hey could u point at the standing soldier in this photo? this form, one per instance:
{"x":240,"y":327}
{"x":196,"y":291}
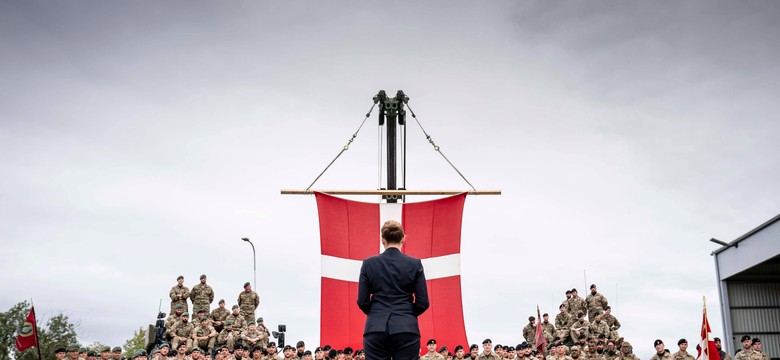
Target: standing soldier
{"x":238,"y":321}
{"x":756,"y":345}
{"x":202,"y":296}
{"x":248,"y":301}
{"x":660,"y":352}
{"x":746,"y":353}
{"x":529,"y":331}
{"x":595,"y":301}
{"x":219,"y":315}
{"x":576,"y":304}
{"x":627,"y":352}
{"x":179,"y":294}
{"x":682,"y":354}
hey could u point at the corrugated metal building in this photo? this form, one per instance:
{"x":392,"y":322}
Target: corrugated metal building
{"x":748,"y":271}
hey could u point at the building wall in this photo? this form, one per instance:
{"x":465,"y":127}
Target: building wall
{"x":754,"y":310}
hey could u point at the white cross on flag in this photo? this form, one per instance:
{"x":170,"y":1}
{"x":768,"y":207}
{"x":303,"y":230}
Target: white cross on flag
{"x":349,"y":233}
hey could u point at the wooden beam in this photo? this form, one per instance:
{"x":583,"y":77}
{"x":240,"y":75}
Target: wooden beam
{"x":390,"y":192}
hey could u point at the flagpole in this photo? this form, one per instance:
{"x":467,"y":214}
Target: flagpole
{"x":538,"y":324}
{"x":35,"y":325}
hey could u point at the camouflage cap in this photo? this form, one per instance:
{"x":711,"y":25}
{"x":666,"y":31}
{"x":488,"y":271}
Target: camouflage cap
{"x":203,"y":276}
{"x":117,"y":349}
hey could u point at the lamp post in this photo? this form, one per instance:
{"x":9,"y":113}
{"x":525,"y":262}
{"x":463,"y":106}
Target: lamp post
{"x":254,"y":260}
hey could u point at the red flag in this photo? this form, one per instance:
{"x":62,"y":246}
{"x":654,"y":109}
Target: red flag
{"x":349,"y":233}
{"x":541,"y":342}
{"x":710,"y":350}
{"x":28,"y":335}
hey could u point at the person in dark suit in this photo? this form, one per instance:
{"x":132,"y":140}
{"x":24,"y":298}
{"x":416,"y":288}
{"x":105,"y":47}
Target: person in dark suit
{"x":393,"y":293}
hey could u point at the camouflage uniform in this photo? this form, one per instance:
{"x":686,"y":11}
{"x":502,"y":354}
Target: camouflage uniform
{"x":595,"y":303}
{"x":666,"y":355}
{"x":748,"y":354}
{"x":171,"y":320}
{"x":548,"y":327}
{"x":680,"y":355}
{"x":611,"y":355}
{"x":598,"y":327}
{"x":627,"y":352}
{"x":179,"y":330}
{"x":218,"y":317}
{"x":583,"y":326}
{"x":200,"y":331}
{"x":614,"y":325}
{"x":252,"y":337}
{"x":201,"y":296}
{"x":592,"y":355}
{"x":238,"y":321}
{"x":248,"y":302}
{"x":529,"y":334}
{"x":261,"y":328}
{"x":228,"y":337}
{"x":575,"y":305}
{"x":179,"y":295}
{"x":491,"y":356}
{"x":435,"y":356}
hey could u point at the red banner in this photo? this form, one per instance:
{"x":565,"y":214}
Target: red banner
{"x":349,"y":233}
{"x":28,"y":334}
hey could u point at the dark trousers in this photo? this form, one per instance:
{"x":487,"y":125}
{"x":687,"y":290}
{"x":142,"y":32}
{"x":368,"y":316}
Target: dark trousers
{"x":383,"y":346}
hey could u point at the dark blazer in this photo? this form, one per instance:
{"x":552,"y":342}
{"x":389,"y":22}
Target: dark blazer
{"x":392,"y":292}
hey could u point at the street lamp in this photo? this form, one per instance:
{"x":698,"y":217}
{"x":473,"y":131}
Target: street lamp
{"x":254,"y":260}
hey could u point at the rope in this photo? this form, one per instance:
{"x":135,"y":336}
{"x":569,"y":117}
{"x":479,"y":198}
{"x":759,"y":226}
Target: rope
{"x":438,"y":149}
{"x":345,"y":148}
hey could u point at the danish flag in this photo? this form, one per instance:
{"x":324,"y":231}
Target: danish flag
{"x":707,"y":348}
{"x":349,"y":233}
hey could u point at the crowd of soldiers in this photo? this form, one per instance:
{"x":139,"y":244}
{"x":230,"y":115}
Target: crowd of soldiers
{"x":222,"y":334}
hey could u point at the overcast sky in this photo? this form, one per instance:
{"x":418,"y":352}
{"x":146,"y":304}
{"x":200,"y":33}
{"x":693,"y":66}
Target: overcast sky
{"x":141,"y":140}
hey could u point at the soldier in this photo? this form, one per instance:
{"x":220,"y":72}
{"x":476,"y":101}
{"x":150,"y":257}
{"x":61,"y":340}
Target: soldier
{"x":174,"y":316}
{"x":300,"y":346}
{"x":746,"y":353}
{"x":105,"y":353}
{"x":219,"y":315}
{"x":660,"y":352}
{"x":252,"y":337}
{"x":360,"y":354}
{"x":723,"y":355}
{"x":562,"y":323}
{"x":627,"y":352}
{"x":576,"y":352}
{"x":592,"y":353}
{"x":473,"y":351}
{"x":547,"y":325}
{"x":73,"y":352}
{"x":289,"y":352}
{"x":529,"y":330}
{"x":116,"y":352}
{"x":756,"y":344}
{"x":487,"y":353}
{"x":682,"y":353}
{"x":179,"y":294}
{"x":598,"y":327}
{"x":238,"y":321}
{"x":181,"y":332}
{"x":228,"y":336}
{"x":140,"y":355}
{"x":272,"y":355}
{"x":558,"y":352}
{"x":576,"y":304}
{"x":261,"y":327}
{"x":612,"y":322}
{"x":566,"y":300}
{"x":580,"y":327}
{"x":611,"y":353}
{"x":200,"y":316}
{"x":595,"y":301}
{"x":59,"y":352}
{"x":204,"y":335}
{"x":202,"y":296}
{"x":248,"y":301}
{"x":197,"y":353}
